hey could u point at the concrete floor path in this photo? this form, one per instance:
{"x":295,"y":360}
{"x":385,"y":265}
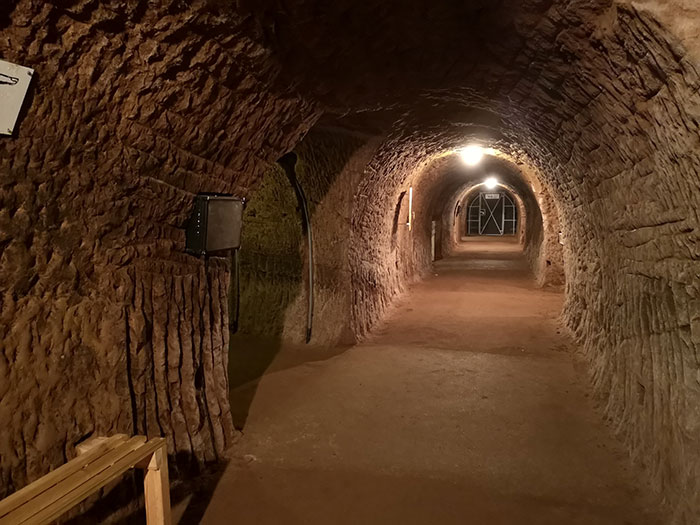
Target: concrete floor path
{"x":464,"y":407}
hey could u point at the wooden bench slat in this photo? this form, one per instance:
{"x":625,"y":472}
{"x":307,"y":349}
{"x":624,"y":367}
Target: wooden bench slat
{"x":93,"y":481}
{"x":54,"y":477}
{"x":156,"y":487}
{"x":57,"y":492}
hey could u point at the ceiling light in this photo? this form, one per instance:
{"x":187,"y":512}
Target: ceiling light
{"x":472,"y":155}
{"x":491,"y":183}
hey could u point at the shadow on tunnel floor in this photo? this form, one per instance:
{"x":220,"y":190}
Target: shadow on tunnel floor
{"x":255,"y":356}
{"x":191,"y":499}
{"x":122,"y":503}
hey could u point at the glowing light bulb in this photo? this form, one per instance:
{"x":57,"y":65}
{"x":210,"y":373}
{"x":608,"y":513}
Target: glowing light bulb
{"x":491,"y":183}
{"x":472,"y":155}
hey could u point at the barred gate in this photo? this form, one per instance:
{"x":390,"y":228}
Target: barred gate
{"x":492,"y":214}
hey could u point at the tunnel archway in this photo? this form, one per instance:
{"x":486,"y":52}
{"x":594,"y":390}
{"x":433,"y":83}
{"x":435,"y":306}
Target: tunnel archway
{"x":138,"y":107}
{"x":492,"y":212}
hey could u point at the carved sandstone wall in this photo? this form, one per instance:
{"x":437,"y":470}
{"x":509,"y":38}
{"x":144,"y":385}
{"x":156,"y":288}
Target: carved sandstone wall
{"x":106,"y":325}
{"x":139,"y":105}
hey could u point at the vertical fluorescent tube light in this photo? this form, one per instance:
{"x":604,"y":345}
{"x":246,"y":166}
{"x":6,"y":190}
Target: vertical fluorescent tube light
{"x":410,"y":208}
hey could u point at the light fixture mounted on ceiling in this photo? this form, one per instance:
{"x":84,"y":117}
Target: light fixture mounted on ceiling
{"x":491,"y":183}
{"x":472,"y":155}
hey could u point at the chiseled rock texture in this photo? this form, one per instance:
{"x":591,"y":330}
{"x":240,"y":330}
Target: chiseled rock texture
{"x":274,"y":258}
{"x":108,"y":326}
{"x":365,"y":253}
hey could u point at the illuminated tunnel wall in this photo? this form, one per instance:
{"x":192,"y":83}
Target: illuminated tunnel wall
{"x":137,"y":106}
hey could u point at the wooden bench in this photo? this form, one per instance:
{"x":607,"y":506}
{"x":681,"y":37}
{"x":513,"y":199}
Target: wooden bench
{"x":100,"y":461}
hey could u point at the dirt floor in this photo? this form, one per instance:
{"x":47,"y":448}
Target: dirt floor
{"x":465,"y":407}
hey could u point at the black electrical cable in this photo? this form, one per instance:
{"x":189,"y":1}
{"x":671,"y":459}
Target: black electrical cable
{"x":288,"y":163}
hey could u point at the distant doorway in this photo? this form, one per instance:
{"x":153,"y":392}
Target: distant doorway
{"x":492,"y":213}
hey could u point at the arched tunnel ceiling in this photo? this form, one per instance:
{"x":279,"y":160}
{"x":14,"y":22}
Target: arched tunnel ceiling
{"x":447,"y":177}
{"x":511,"y":72}
{"x":137,"y":105}
{"x":680,"y":17}
{"x":364,"y":55}
{"x":540,"y":58}
{"x":526,"y":77}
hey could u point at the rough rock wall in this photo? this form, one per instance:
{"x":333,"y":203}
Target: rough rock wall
{"x":604,"y":103}
{"x":274,"y":254}
{"x":271,"y":262}
{"x":132,"y":98}
{"x":331,"y":165}
{"x":543,"y":248}
{"x":271,"y":276}
{"x":383,"y":256}
{"x":107,"y":326}
{"x":680,"y":17}
{"x":632,"y":232}
{"x":546,"y":253}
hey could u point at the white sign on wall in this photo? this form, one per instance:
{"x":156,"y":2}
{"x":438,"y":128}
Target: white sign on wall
{"x":14,"y":83}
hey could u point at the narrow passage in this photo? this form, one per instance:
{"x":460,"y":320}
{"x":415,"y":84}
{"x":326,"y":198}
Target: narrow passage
{"x":466,"y":406}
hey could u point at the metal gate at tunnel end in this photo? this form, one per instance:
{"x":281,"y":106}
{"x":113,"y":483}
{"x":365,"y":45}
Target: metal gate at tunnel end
{"x":492,"y":213}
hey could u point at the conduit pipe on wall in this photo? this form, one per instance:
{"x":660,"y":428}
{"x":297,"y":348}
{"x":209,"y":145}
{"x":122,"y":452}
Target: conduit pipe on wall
{"x":288,"y":163}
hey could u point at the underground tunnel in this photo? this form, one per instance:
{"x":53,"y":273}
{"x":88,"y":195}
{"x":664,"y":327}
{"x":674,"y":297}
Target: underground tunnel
{"x":467,"y":287}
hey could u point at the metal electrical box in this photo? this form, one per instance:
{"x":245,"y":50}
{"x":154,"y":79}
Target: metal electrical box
{"x":215,"y":224}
